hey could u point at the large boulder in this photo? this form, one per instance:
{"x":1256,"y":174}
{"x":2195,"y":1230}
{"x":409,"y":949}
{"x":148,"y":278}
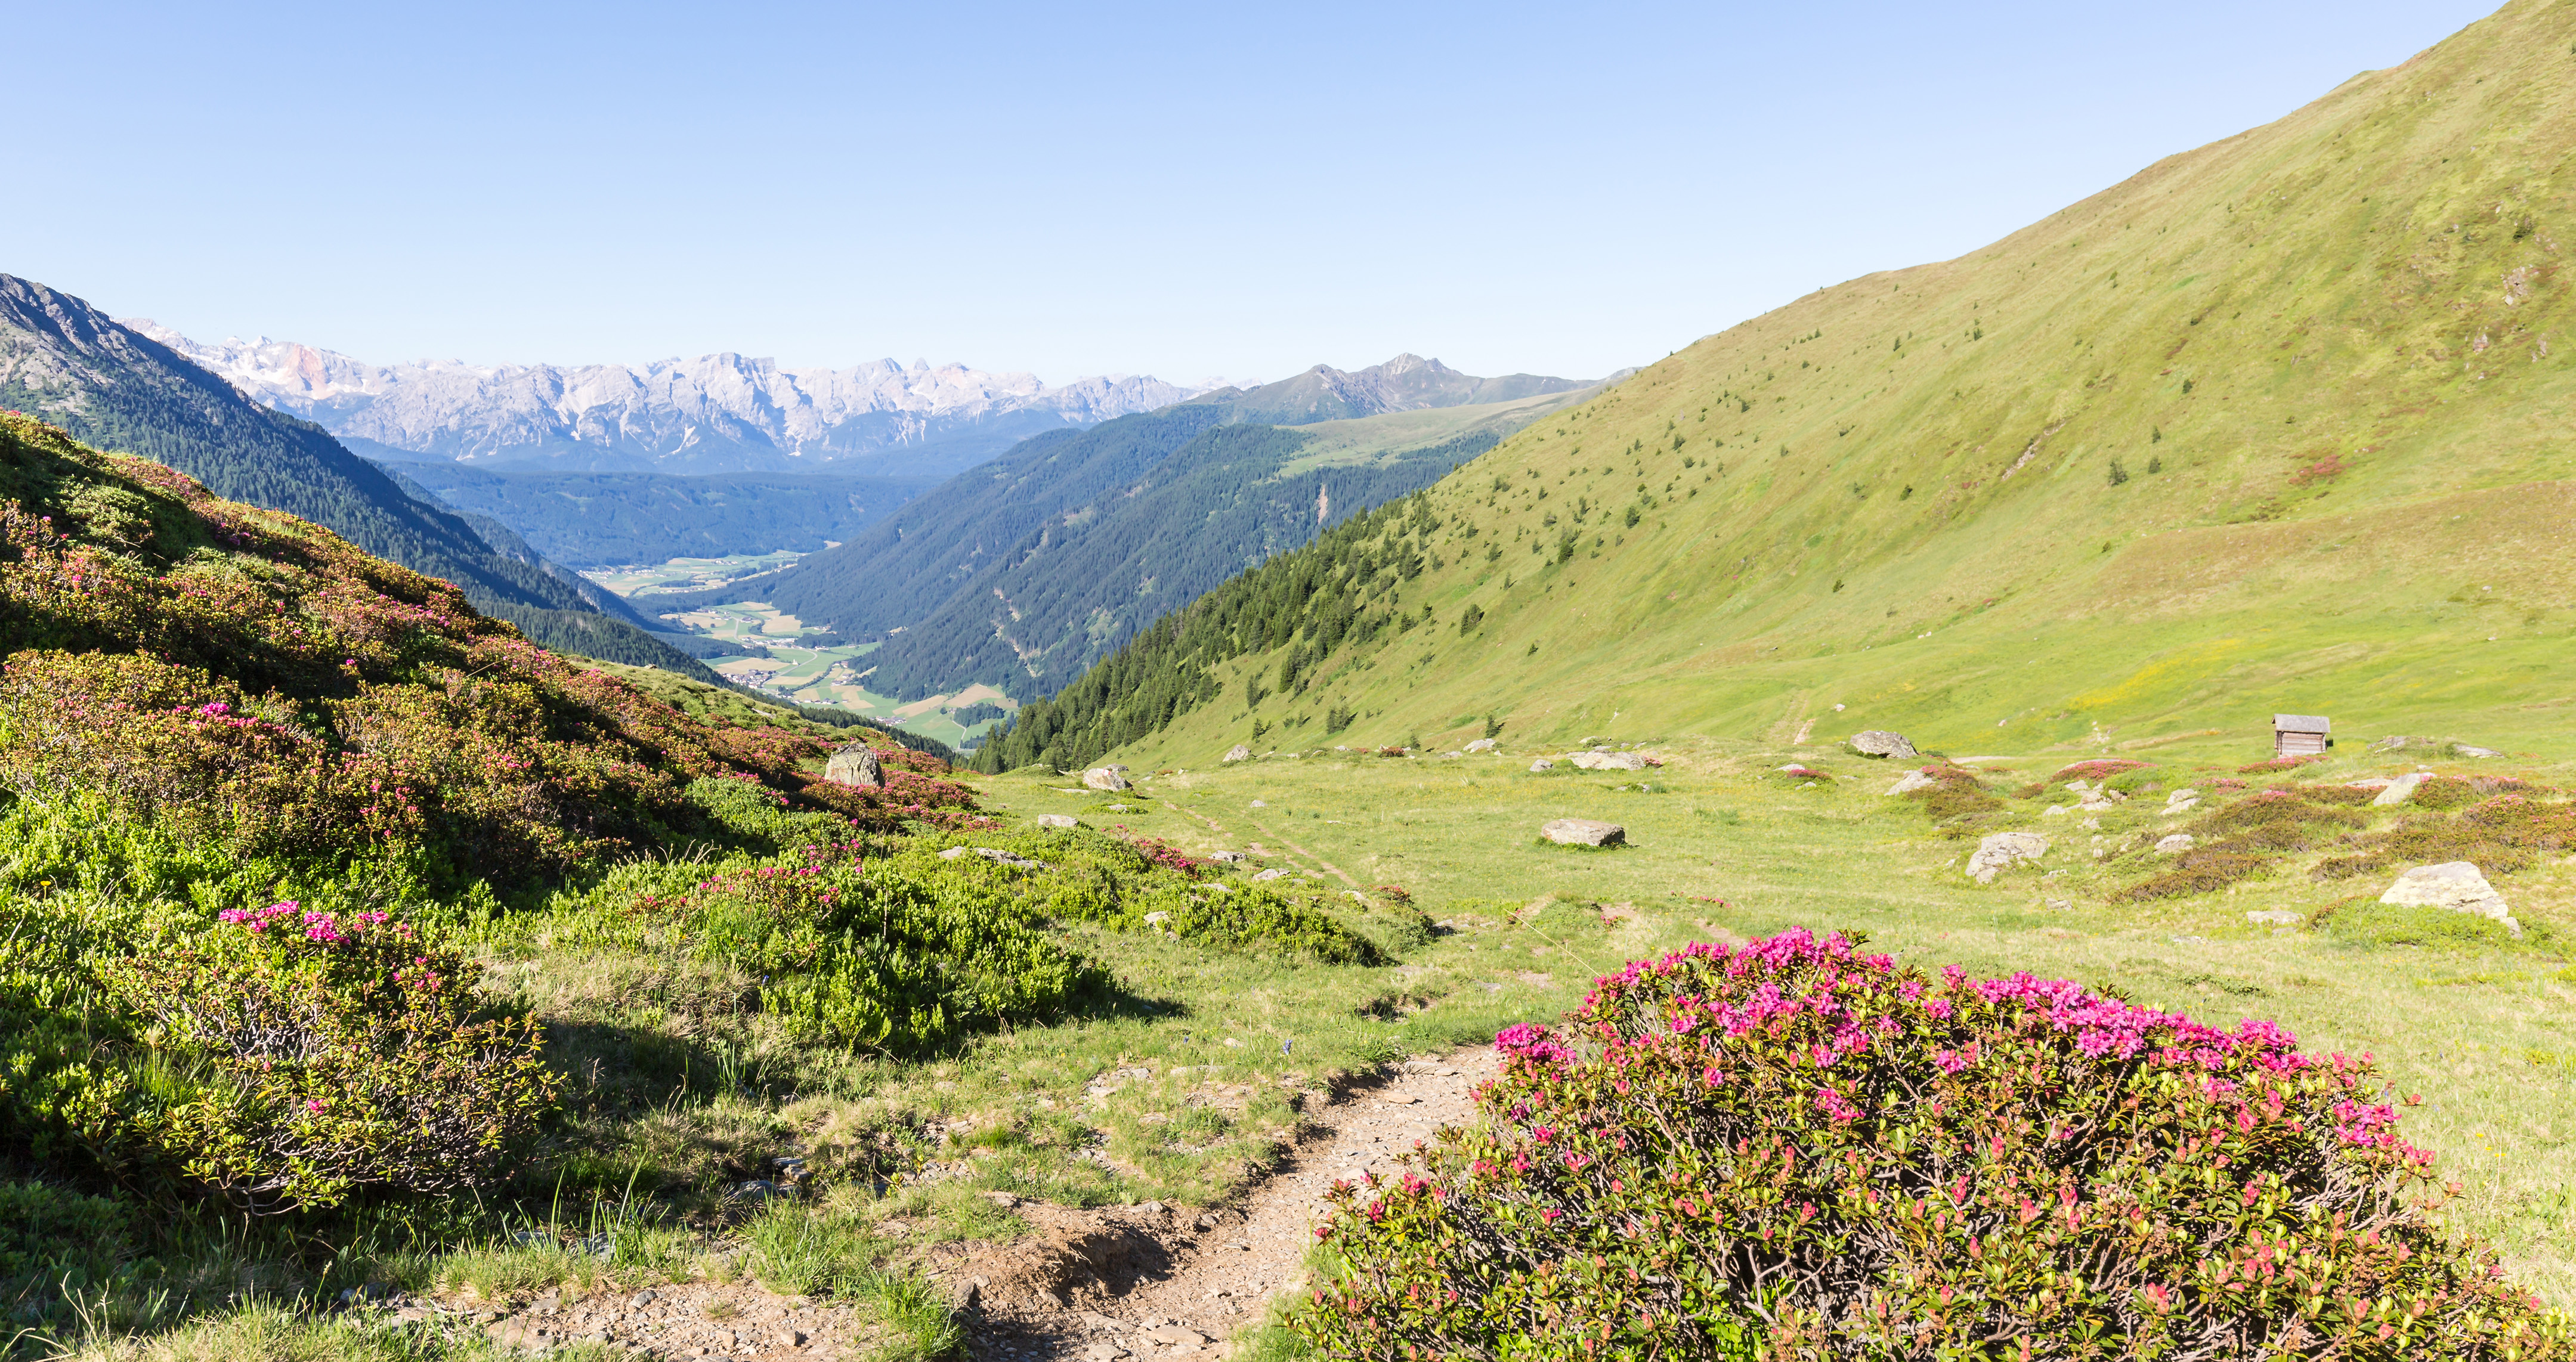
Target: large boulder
{"x":2001,"y":851}
{"x":1878,"y":742}
{"x":2456,"y":885}
{"x":1610,"y":761}
{"x":1238,"y":752}
{"x":855,"y":765}
{"x":1583,"y":832}
{"x":1106,"y":778}
{"x":1542,"y":764}
{"x":2400,"y":790}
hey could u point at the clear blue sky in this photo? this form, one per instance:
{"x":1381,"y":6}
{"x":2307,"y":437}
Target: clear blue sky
{"x":1184,"y":191}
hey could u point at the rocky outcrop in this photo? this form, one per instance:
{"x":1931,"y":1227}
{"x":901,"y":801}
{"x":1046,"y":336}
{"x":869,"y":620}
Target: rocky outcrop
{"x":2455,"y":885}
{"x":1542,"y":764}
{"x":1610,"y":761}
{"x":1057,"y":820}
{"x":2002,"y":851}
{"x":1879,"y":742}
{"x":2175,"y":844}
{"x":1910,"y":782}
{"x":1236,"y":753}
{"x":1481,"y":745}
{"x":1583,"y":832}
{"x":855,"y":765}
{"x":1106,"y":778}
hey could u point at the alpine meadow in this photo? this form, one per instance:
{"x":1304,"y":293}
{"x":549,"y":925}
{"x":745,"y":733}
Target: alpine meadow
{"x":2019,"y":808}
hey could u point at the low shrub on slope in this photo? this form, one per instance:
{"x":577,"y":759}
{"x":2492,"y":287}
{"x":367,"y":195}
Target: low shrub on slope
{"x":261,"y":795}
{"x":1798,"y":1150}
{"x":246,"y":681}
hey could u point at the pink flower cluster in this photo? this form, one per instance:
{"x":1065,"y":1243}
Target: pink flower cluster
{"x":290,"y":914}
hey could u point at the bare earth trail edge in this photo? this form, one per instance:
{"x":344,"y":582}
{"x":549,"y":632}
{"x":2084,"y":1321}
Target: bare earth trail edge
{"x":1158,"y":1284}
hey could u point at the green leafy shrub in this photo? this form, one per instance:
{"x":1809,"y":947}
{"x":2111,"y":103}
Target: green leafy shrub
{"x":898,"y":955}
{"x":46,"y":1230}
{"x":282,"y":1057}
{"x":1256,"y":917}
{"x":1798,"y":1150}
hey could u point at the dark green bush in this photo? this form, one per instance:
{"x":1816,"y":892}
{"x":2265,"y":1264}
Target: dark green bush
{"x":47,"y":1230}
{"x":1795,"y":1150}
{"x":283,"y":1057}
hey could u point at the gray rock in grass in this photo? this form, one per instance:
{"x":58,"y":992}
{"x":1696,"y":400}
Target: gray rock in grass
{"x":2001,"y":851}
{"x":1878,"y":742}
{"x":855,"y":765}
{"x":2456,"y":885}
{"x":1583,"y":832}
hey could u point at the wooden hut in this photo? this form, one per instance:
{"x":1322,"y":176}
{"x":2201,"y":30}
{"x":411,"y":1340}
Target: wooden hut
{"x":2301,"y":735}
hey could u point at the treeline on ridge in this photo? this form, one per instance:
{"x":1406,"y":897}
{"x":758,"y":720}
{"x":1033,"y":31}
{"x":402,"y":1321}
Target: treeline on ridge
{"x":1346,"y":587}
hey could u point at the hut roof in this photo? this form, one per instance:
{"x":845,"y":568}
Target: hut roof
{"x":2302,"y":723}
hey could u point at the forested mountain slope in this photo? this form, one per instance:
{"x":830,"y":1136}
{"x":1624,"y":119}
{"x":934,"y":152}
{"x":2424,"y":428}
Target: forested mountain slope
{"x":2275,"y":424}
{"x":607,"y":519}
{"x":66,"y":362}
{"x":1026,"y":570}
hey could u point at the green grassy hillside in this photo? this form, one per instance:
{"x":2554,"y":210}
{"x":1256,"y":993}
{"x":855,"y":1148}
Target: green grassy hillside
{"x":2273,"y":424}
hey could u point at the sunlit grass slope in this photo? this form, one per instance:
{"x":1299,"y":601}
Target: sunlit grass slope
{"x":2276,"y":423}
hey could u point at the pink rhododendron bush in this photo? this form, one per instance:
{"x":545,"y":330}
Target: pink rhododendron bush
{"x":1797,"y":1149}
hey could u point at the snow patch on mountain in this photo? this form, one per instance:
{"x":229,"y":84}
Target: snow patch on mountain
{"x":711,"y":414}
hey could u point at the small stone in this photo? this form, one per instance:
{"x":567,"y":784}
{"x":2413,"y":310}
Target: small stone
{"x":2275,"y":917}
{"x":642,"y":1298}
{"x":1005,"y":1200}
{"x":2174,"y":844}
{"x":2055,"y":811}
{"x":2464,"y":750}
{"x":1881,"y":743}
{"x":1481,"y":745}
{"x":1058,"y":820}
{"x":1157,"y":919}
{"x":1207,"y":1221}
{"x":1236,"y":753}
{"x":1272,"y":874}
{"x":1583,"y":832}
{"x":791,"y":1338}
{"x":1177,"y":1335}
{"x":1261,"y":803}
{"x":1910,"y":782}
{"x":1228,"y":857}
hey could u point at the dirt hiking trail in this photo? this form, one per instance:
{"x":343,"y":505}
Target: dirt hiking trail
{"x":1157,"y":1284}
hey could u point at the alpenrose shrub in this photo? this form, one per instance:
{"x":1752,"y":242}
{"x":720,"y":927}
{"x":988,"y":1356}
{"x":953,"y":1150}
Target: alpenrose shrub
{"x":241,"y":678}
{"x":1799,"y":1150}
{"x":281,"y":1057}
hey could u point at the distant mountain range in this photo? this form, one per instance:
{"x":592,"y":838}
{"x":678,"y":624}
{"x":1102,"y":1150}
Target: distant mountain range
{"x":67,"y":363}
{"x":723,"y":413}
